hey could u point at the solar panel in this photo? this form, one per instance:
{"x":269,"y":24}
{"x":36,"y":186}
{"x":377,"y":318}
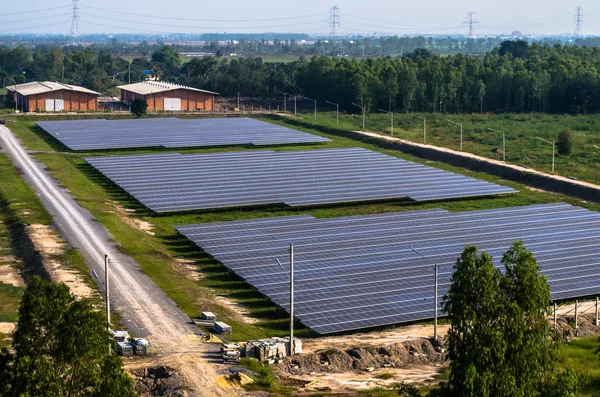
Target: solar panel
{"x":360,"y":271}
{"x":171,"y":133}
{"x":175,"y":182}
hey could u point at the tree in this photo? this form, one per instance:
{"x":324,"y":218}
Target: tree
{"x":564,"y":143}
{"x":499,"y":343}
{"x":139,"y":107}
{"x":61,"y":348}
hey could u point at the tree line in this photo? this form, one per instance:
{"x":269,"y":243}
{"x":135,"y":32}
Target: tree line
{"x":515,"y":77}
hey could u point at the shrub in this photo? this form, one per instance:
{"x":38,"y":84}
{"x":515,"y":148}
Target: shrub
{"x":564,"y":144}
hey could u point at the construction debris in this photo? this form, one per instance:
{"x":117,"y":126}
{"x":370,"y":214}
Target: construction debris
{"x":272,"y":349}
{"x":230,"y":353}
{"x":222,"y":328}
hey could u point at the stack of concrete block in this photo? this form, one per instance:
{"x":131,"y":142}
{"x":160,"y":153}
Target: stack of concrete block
{"x":222,"y":328}
{"x":140,"y":346}
{"x":125,"y":348}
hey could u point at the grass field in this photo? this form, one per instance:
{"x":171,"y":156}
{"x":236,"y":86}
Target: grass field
{"x":18,"y":205}
{"x":160,"y":255}
{"x":521,"y":131}
{"x":580,"y":355}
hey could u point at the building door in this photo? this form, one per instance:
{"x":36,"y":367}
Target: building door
{"x":59,"y":105}
{"x":173,"y":104}
{"x":49,"y":105}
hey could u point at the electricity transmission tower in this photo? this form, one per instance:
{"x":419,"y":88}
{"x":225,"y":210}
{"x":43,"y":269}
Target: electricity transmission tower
{"x":334,"y":20}
{"x":75,"y":33}
{"x":471,"y":23}
{"x":578,"y":21}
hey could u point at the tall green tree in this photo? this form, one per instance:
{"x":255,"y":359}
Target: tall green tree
{"x":499,"y":343}
{"x":61,"y":348}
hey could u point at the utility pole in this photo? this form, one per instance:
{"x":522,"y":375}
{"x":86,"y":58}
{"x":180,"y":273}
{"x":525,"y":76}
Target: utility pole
{"x":337,"y":111}
{"x":435,"y":292}
{"x":461,"y":131}
{"x":553,"y":144}
{"x":291,"y":299}
{"x":284,"y":102}
{"x":334,"y":20}
{"x":424,"y":127}
{"x":315,"y":101}
{"x":106,"y":291}
{"x":238,"y":102}
{"x":129,"y":73}
{"x":578,"y":21}
{"x":362,"y":107}
{"x":391,"y":114}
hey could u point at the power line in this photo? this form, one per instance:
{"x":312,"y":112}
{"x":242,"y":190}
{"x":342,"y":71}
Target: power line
{"x":196,"y":27}
{"x":334,"y":20}
{"x":35,"y":27}
{"x":578,"y":20}
{"x":32,"y":11}
{"x":203,"y":20}
{"x":37,"y":18}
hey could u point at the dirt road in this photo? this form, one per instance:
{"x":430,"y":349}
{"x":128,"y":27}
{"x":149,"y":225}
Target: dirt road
{"x":144,"y":308}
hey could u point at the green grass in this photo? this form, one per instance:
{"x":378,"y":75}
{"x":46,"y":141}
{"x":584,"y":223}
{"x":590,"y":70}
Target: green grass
{"x":579,"y":354}
{"x":157,"y":254}
{"x":521,"y":131}
{"x":10,"y":298}
{"x":385,"y":375}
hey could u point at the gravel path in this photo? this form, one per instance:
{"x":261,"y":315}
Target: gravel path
{"x":144,"y":308}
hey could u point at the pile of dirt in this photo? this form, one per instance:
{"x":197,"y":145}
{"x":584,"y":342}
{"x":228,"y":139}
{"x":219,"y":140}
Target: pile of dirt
{"x":158,"y":381}
{"x":395,"y":355}
{"x":565,"y":326}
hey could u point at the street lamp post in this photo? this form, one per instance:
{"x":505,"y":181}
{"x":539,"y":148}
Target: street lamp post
{"x":435,"y":297}
{"x":552,"y":143}
{"x":291,"y":278}
{"x":337,"y":111}
{"x":362,"y":107}
{"x":315,"y":101}
{"x":503,"y":143}
{"x":285,"y":93}
{"x":424,"y":126}
{"x":391,"y":114}
{"x":461,"y":132}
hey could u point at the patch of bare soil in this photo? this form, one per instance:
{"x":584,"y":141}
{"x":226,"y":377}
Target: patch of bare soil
{"x":565,"y":326}
{"x":188,"y":268}
{"x":138,"y":224}
{"x":10,"y":275}
{"x":7,"y":328}
{"x":395,"y":355}
{"x":51,"y":247}
{"x":240,"y":311}
{"x":375,"y":338}
{"x":158,"y":381}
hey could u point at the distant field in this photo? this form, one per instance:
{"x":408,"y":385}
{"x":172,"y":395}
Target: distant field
{"x":521,"y":131}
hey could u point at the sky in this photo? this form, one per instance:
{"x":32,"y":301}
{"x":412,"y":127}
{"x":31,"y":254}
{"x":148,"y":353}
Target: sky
{"x":307,"y":16}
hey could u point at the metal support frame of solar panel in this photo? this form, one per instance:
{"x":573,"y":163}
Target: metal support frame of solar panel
{"x":172,"y":133}
{"x":174,"y":182}
{"x":360,"y":271}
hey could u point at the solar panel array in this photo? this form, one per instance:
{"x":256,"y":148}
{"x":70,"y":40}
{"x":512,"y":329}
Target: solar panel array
{"x":175,"y":182}
{"x":360,"y":271}
{"x":171,"y":133}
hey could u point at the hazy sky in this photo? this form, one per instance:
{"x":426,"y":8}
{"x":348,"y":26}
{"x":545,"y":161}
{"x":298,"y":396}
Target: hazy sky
{"x":310,"y":16}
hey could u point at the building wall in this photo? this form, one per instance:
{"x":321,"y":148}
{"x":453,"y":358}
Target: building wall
{"x":190,"y":100}
{"x":73,"y":100}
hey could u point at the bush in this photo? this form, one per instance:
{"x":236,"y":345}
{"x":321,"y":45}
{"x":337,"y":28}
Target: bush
{"x":139,"y":107}
{"x":564,"y":144}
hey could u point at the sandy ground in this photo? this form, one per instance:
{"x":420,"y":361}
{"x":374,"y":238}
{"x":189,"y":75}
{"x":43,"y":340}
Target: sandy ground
{"x":51,"y":246}
{"x":9,"y":274}
{"x":400,"y":334}
{"x":352,"y":381}
{"x":147,"y":310}
{"x":144,"y":226}
{"x":585,"y":307}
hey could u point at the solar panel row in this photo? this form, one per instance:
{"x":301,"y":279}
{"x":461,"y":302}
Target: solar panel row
{"x":360,"y":271}
{"x":174,"y":182}
{"x":171,"y":133}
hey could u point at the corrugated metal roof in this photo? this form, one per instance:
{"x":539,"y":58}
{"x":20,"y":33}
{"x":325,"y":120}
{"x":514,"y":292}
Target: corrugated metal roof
{"x":40,"y":87}
{"x":153,"y":87}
